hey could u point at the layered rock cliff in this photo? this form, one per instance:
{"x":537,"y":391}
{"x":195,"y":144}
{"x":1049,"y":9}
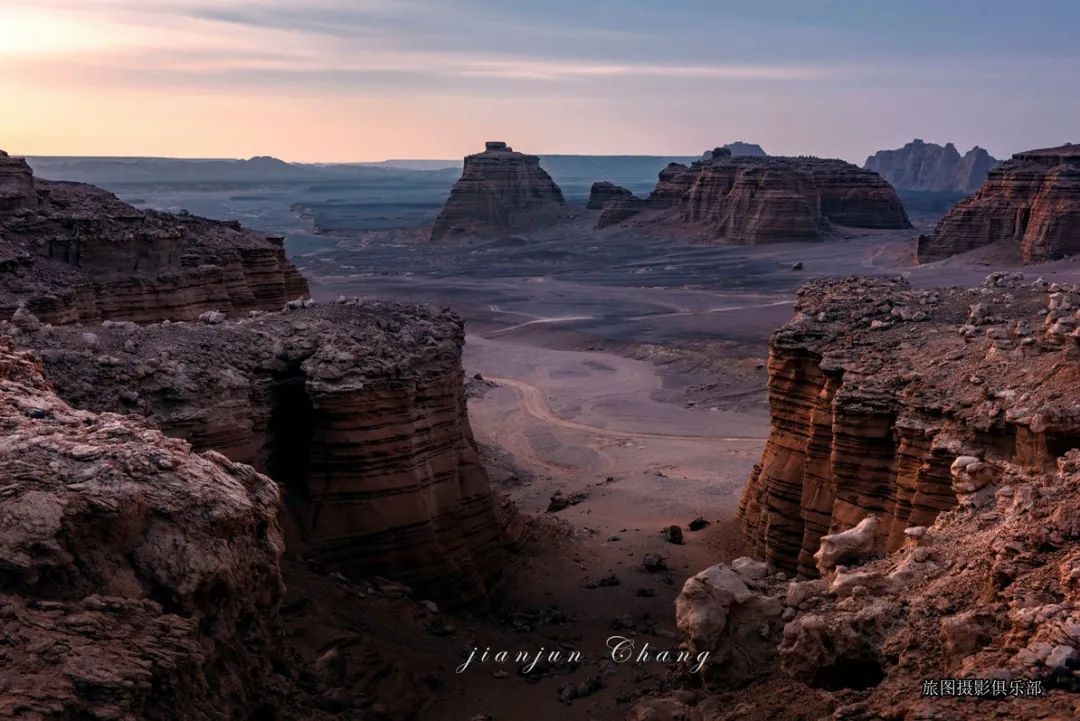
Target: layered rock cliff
{"x":929,"y":167}
{"x":751,"y":200}
{"x":499,"y":191}
{"x":71,"y":252}
{"x":1030,"y":204}
{"x":924,"y":472}
{"x":876,"y":389}
{"x":356,"y":409}
{"x":137,"y":579}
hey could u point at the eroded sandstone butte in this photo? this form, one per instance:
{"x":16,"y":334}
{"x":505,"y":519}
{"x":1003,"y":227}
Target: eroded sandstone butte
{"x":1031,"y":204}
{"x":752,"y":200}
{"x":929,"y":167}
{"x":500,"y":190}
{"x":72,"y":252}
{"x":356,"y":409}
{"x":137,"y":579}
{"x":876,"y":389}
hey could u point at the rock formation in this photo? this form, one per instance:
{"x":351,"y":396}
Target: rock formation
{"x":751,"y":200}
{"x":71,"y":252}
{"x":139,"y":578}
{"x":877,"y":389}
{"x":930,"y":167}
{"x":1030,"y":203}
{"x":499,"y":191}
{"x":356,"y":409}
{"x":739,"y":148}
{"x":604,"y":192}
{"x":924,"y":473}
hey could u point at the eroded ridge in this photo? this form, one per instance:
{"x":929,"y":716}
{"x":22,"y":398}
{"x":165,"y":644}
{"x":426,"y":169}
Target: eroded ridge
{"x":876,"y":389}
{"x":71,"y":252}
{"x":355,"y":408}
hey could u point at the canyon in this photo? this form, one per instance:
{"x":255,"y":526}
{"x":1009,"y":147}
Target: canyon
{"x":752,"y":200}
{"x":499,"y":190}
{"x":1029,"y":207}
{"x":929,"y":167}
{"x":426,"y":494}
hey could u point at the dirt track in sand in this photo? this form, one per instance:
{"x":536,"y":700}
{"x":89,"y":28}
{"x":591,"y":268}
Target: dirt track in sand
{"x":534,"y":403}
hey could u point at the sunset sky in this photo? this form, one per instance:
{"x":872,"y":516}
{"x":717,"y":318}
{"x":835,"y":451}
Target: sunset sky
{"x":349,"y":80}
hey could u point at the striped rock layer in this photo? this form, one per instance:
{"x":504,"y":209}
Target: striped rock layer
{"x":1030,"y":203}
{"x":751,"y":200}
{"x":71,"y":252}
{"x":876,"y":389}
{"x":499,"y":190}
{"x":357,"y":410}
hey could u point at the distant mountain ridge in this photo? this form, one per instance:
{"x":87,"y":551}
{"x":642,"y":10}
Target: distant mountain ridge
{"x":929,"y":167}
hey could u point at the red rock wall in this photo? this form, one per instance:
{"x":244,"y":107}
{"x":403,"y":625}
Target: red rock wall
{"x":73,"y":253}
{"x":751,"y":200}
{"x":864,"y":424}
{"x":1030,"y":204}
{"x":356,"y":410}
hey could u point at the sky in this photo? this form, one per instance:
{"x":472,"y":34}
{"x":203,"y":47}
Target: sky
{"x":354,"y":80}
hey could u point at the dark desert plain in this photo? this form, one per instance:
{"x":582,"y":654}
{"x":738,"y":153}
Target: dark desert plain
{"x":617,"y":383}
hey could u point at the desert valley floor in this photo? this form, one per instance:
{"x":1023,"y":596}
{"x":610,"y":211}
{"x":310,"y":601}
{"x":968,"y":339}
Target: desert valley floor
{"x":626,"y":374}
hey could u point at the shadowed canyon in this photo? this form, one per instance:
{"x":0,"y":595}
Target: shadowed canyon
{"x":399,"y":442}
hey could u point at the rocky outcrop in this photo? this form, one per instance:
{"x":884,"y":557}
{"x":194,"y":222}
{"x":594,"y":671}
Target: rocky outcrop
{"x":356,"y":409}
{"x":1031,"y":204}
{"x":739,"y":148}
{"x":139,"y":579}
{"x":751,"y":200}
{"x":499,"y":191}
{"x":604,"y":192}
{"x":925,"y":463}
{"x":723,"y":612}
{"x":71,"y":253}
{"x":876,"y":390}
{"x":929,"y":167}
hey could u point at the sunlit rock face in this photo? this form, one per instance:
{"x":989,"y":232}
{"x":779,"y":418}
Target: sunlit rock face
{"x":500,"y":190}
{"x":877,"y":389}
{"x":1029,"y":204}
{"x":72,"y":252}
{"x":356,"y":409}
{"x":929,"y":167}
{"x":752,"y":200}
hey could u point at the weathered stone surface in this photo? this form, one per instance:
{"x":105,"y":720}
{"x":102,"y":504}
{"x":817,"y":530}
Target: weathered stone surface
{"x":356,"y":409}
{"x":499,"y":190}
{"x":752,"y":200}
{"x":140,"y":580}
{"x":930,"y":167}
{"x":1030,"y":203}
{"x":72,"y":252}
{"x":739,"y":626}
{"x":870,"y":412}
